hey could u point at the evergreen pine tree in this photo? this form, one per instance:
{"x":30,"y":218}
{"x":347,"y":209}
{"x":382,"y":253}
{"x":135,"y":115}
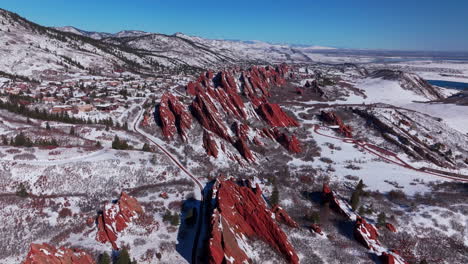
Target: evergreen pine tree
{"x":72,"y":131}
{"x":381,"y":219}
{"x":104,"y":259}
{"x":47,"y":126}
{"x":146,"y":147}
{"x":274,"y":199}
{"x":124,"y":257}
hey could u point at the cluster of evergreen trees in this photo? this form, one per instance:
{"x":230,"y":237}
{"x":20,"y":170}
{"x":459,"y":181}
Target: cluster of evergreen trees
{"x":122,"y":258}
{"x":22,"y":140}
{"x":118,"y":143}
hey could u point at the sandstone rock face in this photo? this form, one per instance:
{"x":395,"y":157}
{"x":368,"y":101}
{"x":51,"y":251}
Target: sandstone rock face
{"x":240,"y":211}
{"x":316,"y":228}
{"x":116,"y":217}
{"x":289,"y":143}
{"x":210,"y":145}
{"x":364,"y":232}
{"x":244,"y":150}
{"x":334,"y":119}
{"x":208,"y":116}
{"x":219,"y":108}
{"x":47,"y":254}
{"x":174,"y":117}
{"x":283,"y":217}
{"x":275,"y":116}
{"x":390,"y":227}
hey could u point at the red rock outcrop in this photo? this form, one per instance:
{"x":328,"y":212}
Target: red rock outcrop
{"x":116,"y":217}
{"x":174,"y":116}
{"x":316,"y":228}
{"x":208,"y":116}
{"x":299,"y":91}
{"x":333,"y":118}
{"x":282,"y":217}
{"x":290,"y":143}
{"x":275,"y":116}
{"x":390,"y":227}
{"x":240,"y":212}
{"x":47,"y":254}
{"x":366,"y":233}
{"x":193,"y":88}
{"x":210,"y":145}
{"x":244,"y":150}
{"x":217,"y":97}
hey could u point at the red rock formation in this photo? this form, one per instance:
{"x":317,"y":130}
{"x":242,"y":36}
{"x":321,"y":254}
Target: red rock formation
{"x":47,"y":254}
{"x":174,"y":116}
{"x":244,"y":150}
{"x":208,"y":116}
{"x":241,"y":130}
{"x":261,"y":79}
{"x":333,"y":118}
{"x":391,"y":257}
{"x":366,"y":233}
{"x":257,"y":141}
{"x":116,"y":217}
{"x":290,"y":143}
{"x":316,"y":228}
{"x":193,"y":88}
{"x":335,"y":203}
{"x":275,"y":116}
{"x":386,"y":258}
{"x":241,"y":211}
{"x":283,"y":217}
{"x":210,"y":145}
{"x":390,"y":227}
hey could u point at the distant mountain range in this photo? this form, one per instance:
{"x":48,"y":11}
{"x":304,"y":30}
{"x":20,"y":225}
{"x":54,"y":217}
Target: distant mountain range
{"x":29,"y":49}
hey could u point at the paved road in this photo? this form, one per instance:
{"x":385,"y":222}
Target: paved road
{"x":165,"y":151}
{"x":386,"y":155}
{"x":186,"y":171}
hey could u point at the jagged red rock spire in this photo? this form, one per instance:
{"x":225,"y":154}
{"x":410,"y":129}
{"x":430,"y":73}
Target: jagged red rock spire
{"x":241,"y":212}
{"x":116,"y":217}
{"x":174,"y":116}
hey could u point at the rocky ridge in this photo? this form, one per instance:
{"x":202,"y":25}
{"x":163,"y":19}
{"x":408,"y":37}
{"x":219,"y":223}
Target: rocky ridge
{"x":240,"y":214}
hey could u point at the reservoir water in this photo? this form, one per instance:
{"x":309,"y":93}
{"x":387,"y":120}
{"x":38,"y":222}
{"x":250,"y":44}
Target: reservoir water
{"x":450,"y":85}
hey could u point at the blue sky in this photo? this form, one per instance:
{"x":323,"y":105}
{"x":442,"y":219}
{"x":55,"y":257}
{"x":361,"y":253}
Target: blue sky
{"x":396,"y":24}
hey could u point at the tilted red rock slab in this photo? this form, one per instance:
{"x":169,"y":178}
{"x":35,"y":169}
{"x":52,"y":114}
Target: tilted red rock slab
{"x":174,"y":116}
{"x":275,"y":116}
{"x":116,"y":217}
{"x":208,"y":116}
{"x":333,"y":118}
{"x":364,"y":232}
{"x":282,"y":217}
{"x":242,"y":212}
{"x":244,"y":150}
{"x":47,"y":254}
{"x":210,"y":145}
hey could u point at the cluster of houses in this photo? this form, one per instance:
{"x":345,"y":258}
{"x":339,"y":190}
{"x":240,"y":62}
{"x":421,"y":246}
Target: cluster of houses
{"x":89,"y":94}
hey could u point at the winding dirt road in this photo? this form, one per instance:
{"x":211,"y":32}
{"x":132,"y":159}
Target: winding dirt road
{"x":386,"y":155}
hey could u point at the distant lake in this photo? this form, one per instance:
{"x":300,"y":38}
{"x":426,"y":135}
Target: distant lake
{"x":450,"y":85}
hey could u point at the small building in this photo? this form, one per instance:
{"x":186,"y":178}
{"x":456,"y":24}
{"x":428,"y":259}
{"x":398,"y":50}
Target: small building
{"x":61,"y":108}
{"x":85,"y":108}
